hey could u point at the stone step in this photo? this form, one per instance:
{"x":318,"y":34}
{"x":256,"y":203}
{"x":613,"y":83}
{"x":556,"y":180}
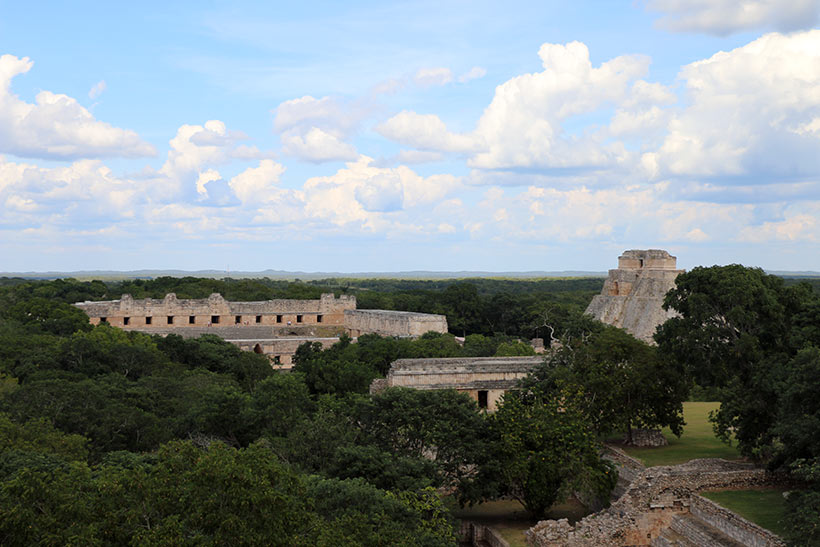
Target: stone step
{"x":670,"y":538}
{"x":699,"y":533}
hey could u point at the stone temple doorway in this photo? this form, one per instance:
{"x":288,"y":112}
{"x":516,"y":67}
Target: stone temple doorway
{"x":257,"y":348}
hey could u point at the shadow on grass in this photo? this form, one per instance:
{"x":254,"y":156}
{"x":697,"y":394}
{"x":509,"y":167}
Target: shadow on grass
{"x":698,"y":440}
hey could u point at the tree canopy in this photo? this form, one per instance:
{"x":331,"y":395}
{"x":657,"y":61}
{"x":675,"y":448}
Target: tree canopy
{"x":756,"y":339}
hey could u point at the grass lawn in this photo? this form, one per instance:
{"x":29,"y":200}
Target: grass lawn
{"x":511,"y":521}
{"x":698,"y":440}
{"x":764,"y":507}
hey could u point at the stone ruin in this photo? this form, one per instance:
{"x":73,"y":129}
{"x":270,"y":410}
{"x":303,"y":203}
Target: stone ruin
{"x":633,"y":293}
{"x":660,"y":507}
{"x":275,"y":328}
{"x":646,"y":438}
{"x":484,"y":379}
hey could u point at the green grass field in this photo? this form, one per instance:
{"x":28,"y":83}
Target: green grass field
{"x":764,"y":507}
{"x":511,"y":521}
{"x":698,"y":440}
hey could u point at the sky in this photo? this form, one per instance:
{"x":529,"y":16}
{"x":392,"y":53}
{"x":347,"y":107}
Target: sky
{"x":396,"y":136}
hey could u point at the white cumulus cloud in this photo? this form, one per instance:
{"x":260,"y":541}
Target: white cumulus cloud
{"x":56,"y":126}
{"x":363,"y":193}
{"x":524,"y":124}
{"x":316,"y":130}
{"x":258,"y":184}
{"x":749,"y":114}
{"x":425,"y":131}
{"x":317,"y":146}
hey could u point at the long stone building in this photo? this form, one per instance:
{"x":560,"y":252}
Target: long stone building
{"x":633,"y":293}
{"x":485,"y":379}
{"x":275,"y":328}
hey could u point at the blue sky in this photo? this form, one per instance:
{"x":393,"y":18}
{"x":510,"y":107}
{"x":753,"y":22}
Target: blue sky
{"x":375,"y":136}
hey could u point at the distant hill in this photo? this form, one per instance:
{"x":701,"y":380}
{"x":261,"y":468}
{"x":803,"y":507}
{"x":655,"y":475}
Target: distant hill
{"x":108,"y":275}
{"x":805,"y":274}
{"x":281,"y":274}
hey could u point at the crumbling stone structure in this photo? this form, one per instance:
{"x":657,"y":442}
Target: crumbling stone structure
{"x":485,"y":379}
{"x":660,"y":507}
{"x":633,"y":293}
{"x":275,"y":328}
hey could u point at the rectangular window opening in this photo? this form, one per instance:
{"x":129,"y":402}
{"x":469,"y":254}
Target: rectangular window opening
{"x":258,"y":318}
{"x":278,"y":318}
{"x":126,"y":320}
{"x":482,"y":399}
{"x":103,"y":319}
{"x":298,"y":318}
{"x":191,"y":319}
{"x":148,"y":320}
{"x":319,"y":318}
{"x":214,"y":319}
{"x":237,"y":320}
{"x":170,"y":319}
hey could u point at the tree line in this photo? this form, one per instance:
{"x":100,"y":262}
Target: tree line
{"x":516,"y":308}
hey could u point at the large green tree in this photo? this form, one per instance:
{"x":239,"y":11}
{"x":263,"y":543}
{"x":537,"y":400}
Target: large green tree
{"x":619,"y":382}
{"x":738,"y":329}
{"x":543,"y":450}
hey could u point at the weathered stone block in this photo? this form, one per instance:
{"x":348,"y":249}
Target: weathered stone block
{"x":632,"y":295}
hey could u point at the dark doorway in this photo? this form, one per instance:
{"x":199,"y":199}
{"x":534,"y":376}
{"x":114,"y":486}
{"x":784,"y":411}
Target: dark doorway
{"x":257,"y":348}
{"x":482,"y":399}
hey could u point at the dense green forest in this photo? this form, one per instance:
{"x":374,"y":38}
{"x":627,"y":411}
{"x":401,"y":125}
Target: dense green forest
{"x":114,"y":437}
{"x":110,"y":437}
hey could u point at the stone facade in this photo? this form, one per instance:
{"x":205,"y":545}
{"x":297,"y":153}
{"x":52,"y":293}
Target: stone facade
{"x":485,"y":379}
{"x":171,"y":312}
{"x":633,"y":293}
{"x":392,"y":323}
{"x":275,"y":328}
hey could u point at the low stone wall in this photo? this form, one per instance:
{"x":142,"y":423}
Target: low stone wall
{"x":480,"y":535}
{"x":628,"y":469}
{"x":731,"y":524}
{"x":646,"y":437}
